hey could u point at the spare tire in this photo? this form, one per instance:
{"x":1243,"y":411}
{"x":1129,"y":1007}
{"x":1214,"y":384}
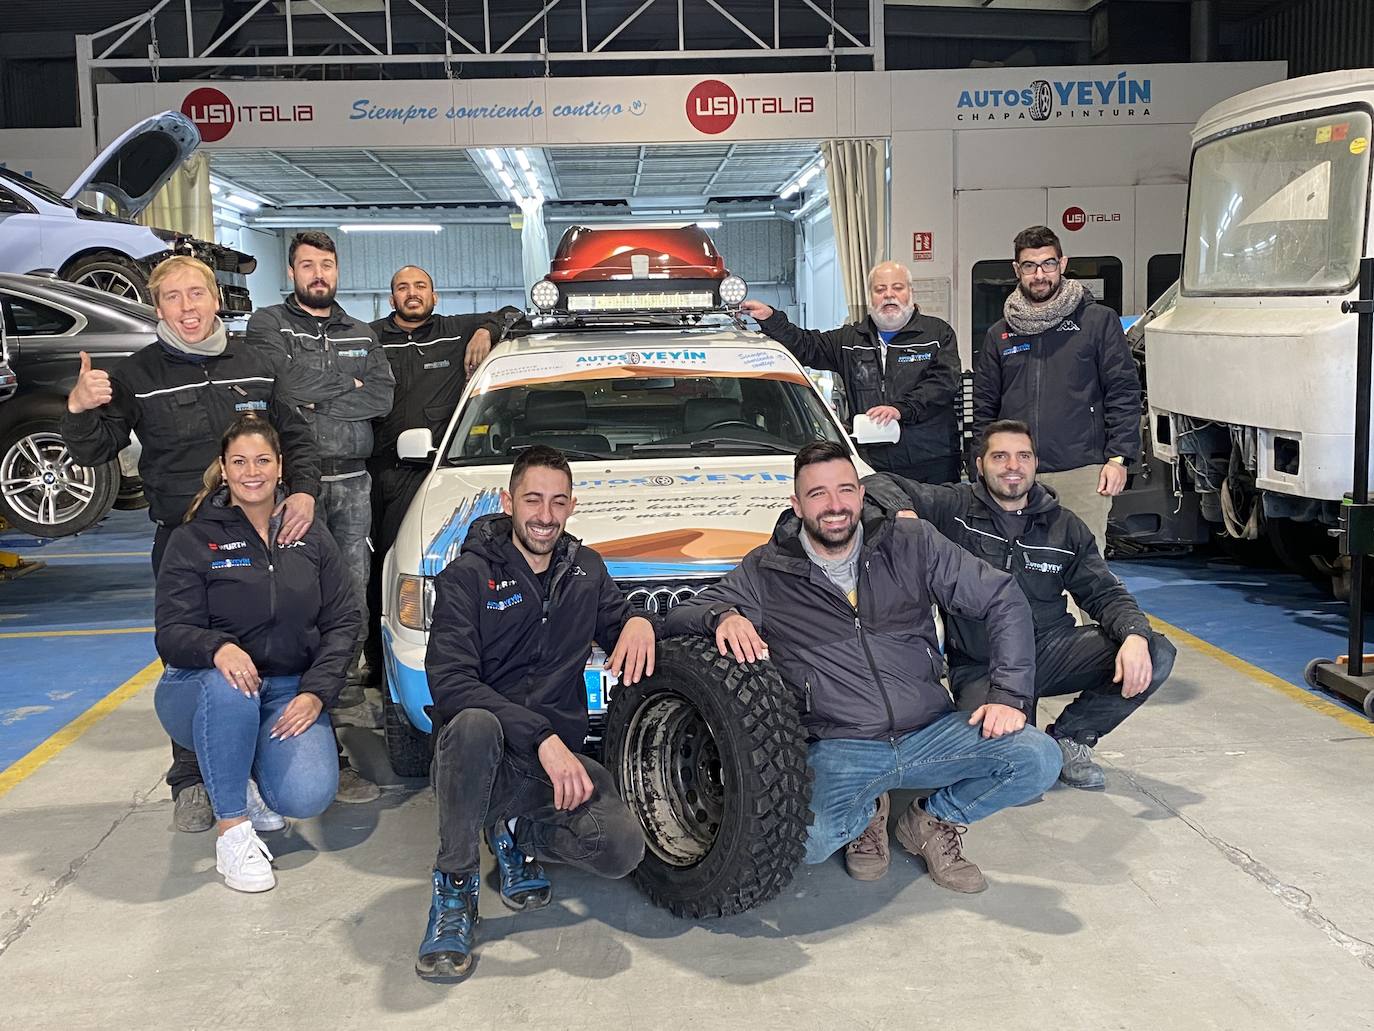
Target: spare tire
{"x":710,"y":756}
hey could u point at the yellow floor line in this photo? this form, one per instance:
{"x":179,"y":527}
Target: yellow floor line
{"x":78,"y":633}
{"x":29,"y":764}
{"x":1269,"y":680}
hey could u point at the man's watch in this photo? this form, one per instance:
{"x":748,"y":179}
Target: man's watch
{"x":1117,"y":459}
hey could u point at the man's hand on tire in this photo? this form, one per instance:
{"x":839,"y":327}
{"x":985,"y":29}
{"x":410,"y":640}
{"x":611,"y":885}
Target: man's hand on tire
{"x":736,"y":636}
{"x":571,"y":785}
{"x":634,"y":651}
{"x":997,"y":719}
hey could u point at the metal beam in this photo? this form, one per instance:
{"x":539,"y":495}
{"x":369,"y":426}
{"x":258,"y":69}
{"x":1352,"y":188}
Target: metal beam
{"x":442,"y":24}
{"x":394,"y":174}
{"x":348,"y":28}
{"x":620,"y":28}
{"x":309,"y":175}
{"x":526,"y":27}
{"x":738,"y":24}
{"x":233,"y":28}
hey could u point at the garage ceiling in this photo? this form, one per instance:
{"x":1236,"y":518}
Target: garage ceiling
{"x":318,"y":177}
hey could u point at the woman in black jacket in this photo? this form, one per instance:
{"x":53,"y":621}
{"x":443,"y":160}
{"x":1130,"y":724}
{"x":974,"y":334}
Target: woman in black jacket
{"x":256,"y":636}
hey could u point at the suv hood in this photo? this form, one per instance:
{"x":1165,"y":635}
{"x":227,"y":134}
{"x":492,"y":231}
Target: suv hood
{"x":656,"y":519}
{"x":135,"y":166}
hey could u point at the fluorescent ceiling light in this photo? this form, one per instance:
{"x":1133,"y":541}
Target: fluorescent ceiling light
{"x":505,"y":177}
{"x":243,"y":202}
{"x":493,"y":159}
{"x":708,"y":223}
{"x":523,"y":158}
{"x":391,"y":227}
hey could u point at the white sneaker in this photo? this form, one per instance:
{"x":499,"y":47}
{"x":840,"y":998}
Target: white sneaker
{"x":263,"y":819}
{"x":244,"y":860}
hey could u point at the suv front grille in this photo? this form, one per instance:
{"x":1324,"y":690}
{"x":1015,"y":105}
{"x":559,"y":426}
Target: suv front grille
{"x":658,"y":598}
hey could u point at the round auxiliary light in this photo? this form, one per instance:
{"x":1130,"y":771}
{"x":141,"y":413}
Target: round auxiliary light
{"x":544,"y":294}
{"x":733,"y":290}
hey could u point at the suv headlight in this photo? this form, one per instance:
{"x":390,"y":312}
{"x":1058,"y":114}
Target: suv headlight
{"x":415,"y":601}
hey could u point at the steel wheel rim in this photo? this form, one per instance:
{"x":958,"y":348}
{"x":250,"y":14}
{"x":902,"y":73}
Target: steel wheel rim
{"x":42,"y":482}
{"x":674,"y":779}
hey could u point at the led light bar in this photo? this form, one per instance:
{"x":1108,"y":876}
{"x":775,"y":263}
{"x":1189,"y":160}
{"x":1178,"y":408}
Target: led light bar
{"x":676,"y":300}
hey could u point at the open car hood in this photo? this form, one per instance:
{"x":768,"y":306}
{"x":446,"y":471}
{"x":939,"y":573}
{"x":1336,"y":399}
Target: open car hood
{"x":135,"y":166}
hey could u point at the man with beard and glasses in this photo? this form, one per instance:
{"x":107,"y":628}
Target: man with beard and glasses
{"x":840,"y":602}
{"x":514,"y":619}
{"x":431,"y":357}
{"x":332,"y":369}
{"x":1016,"y":524}
{"x":897,"y":365}
{"x":1059,"y":362}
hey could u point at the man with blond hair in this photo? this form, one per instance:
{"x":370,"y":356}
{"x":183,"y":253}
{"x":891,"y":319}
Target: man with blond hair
{"x":897,"y":365}
{"x":178,"y":394}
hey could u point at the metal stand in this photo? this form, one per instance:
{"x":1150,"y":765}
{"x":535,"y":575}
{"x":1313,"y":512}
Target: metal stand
{"x":1357,"y":517}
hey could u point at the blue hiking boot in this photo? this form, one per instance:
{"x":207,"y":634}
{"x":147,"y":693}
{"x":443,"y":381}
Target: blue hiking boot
{"x":523,"y":882}
{"x":446,"y":953}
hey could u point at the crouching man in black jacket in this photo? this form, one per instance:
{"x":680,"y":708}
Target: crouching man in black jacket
{"x":1015,"y":524}
{"x":842,"y":597}
{"x":515,"y":616}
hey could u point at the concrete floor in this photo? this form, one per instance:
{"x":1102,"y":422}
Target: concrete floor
{"x":1219,"y":882}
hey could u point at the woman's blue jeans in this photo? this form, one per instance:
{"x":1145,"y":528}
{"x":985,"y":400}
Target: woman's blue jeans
{"x":231,"y":734}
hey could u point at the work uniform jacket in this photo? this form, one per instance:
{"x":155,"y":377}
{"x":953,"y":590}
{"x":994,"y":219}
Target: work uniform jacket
{"x":318,"y":359}
{"x":504,"y":641}
{"x":1076,"y":386}
{"x":290,"y":607}
{"x":1051,"y":551}
{"x":180,"y":405}
{"x":919,"y":377}
{"x":870,"y":672}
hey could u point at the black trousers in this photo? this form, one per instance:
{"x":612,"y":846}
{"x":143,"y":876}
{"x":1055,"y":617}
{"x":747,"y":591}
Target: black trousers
{"x":394,"y":486}
{"x":1077,"y":660}
{"x":479,"y":782}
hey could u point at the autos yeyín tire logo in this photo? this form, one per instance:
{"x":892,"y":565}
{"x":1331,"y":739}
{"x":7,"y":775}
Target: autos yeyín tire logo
{"x":1042,"y":103}
{"x":633,"y":358}
{"x":662,"y":481}
{"x":656,"y":600}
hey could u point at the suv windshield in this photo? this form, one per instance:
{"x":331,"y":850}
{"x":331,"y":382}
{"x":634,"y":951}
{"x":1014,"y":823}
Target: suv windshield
{"x":669,"y":413}
{"x":1280,"y":208}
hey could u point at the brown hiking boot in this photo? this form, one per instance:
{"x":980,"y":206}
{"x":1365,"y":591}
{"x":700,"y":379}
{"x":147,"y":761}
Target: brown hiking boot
{"x":940,"y":845}
{"x":868,"y":856}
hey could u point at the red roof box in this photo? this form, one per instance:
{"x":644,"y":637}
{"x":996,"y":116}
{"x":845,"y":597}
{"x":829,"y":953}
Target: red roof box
{"x":588,"y":255}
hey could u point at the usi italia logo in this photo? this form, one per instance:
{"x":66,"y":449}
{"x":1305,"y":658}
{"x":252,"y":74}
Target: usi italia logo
{"x":215,"y":115}
{"x":1076,"y":218}
{"x":712,"y":106}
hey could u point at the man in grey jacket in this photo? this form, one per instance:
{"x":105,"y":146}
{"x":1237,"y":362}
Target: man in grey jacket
{"x":840,"y":602}
{"x":331,"y":368}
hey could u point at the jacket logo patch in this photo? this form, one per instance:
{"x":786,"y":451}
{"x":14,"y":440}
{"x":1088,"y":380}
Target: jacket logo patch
{"x":1015,"y":349}
{"x":578,"y":571}
{"x":230,"y":563}
{"x":505,"y":603}
{"x":917,"y":357}
{"x":501,"y":585}
{"x":444,"y":364}
{"x":251,"y":406}
{"x":294,"y":544}
{"x":354,"y":352}
{"x":1043,"y":567}
{"x":1068,"y":326}
{"x":228,"y":546}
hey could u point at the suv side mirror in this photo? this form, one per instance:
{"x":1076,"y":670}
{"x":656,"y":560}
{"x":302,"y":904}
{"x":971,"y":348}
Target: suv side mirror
{"x":415,"y":445}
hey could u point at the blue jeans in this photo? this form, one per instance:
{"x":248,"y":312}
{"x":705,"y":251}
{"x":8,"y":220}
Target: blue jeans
{"x":231,"y":734}
{"x":976,"y":776}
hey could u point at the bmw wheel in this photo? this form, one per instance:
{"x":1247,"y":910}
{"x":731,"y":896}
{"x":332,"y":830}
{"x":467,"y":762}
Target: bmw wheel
{"x":44,"y":491}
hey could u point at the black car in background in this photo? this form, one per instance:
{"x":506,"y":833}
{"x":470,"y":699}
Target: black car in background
{"x":47,"y":324}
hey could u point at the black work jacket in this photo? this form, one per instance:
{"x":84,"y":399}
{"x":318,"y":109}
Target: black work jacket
{"x":1053,"y":552}
{"x":871,"y":672}
{"x":291,"y":608}
{"x":180,"y":406}
{"x":318,"y":360}
{"x":1076,"y":386}
{"x":428,"y":365}
{"x":920,"y":378}
{"x":499,"y":641}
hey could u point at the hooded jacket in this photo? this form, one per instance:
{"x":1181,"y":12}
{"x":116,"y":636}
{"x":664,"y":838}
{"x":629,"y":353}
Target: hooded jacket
{"x":920,"y":378}
{"x":871,"y":672}
{"x":1053,"y":552}
{"x":498,"y":641}
{"x":428,"y":363}
{"x":318,"y":358}
{"x":179,"y":406}
{"x":1076,"y":386}
{"x":291,"y":608}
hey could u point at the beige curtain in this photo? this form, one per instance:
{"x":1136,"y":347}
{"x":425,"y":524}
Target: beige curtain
{"x":184,"y":204}
{"x":856,"y":176}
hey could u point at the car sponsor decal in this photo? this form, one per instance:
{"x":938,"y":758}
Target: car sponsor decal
{"x":446,"y":544}
{"x":561,"y":367}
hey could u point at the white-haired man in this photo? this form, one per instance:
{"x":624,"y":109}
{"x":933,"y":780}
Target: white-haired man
{"x":897,"y":365}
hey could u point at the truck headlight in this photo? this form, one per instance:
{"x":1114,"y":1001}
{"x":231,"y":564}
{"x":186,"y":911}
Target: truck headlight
{"x":733,"y":290}
{"x":415,"y":601}
{"x":544,"y":294}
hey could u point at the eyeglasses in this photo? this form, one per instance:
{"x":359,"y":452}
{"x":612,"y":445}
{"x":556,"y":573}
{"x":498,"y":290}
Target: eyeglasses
{"x":1027,"y":268}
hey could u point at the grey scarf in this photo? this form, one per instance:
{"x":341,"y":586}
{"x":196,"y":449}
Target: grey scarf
{"x":207,"y":348}
{"x":1030,"y":318}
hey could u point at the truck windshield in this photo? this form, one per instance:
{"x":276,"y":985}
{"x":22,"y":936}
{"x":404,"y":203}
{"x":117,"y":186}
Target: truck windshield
{"x":658,"y":416}
{"x":1279,"y":209}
